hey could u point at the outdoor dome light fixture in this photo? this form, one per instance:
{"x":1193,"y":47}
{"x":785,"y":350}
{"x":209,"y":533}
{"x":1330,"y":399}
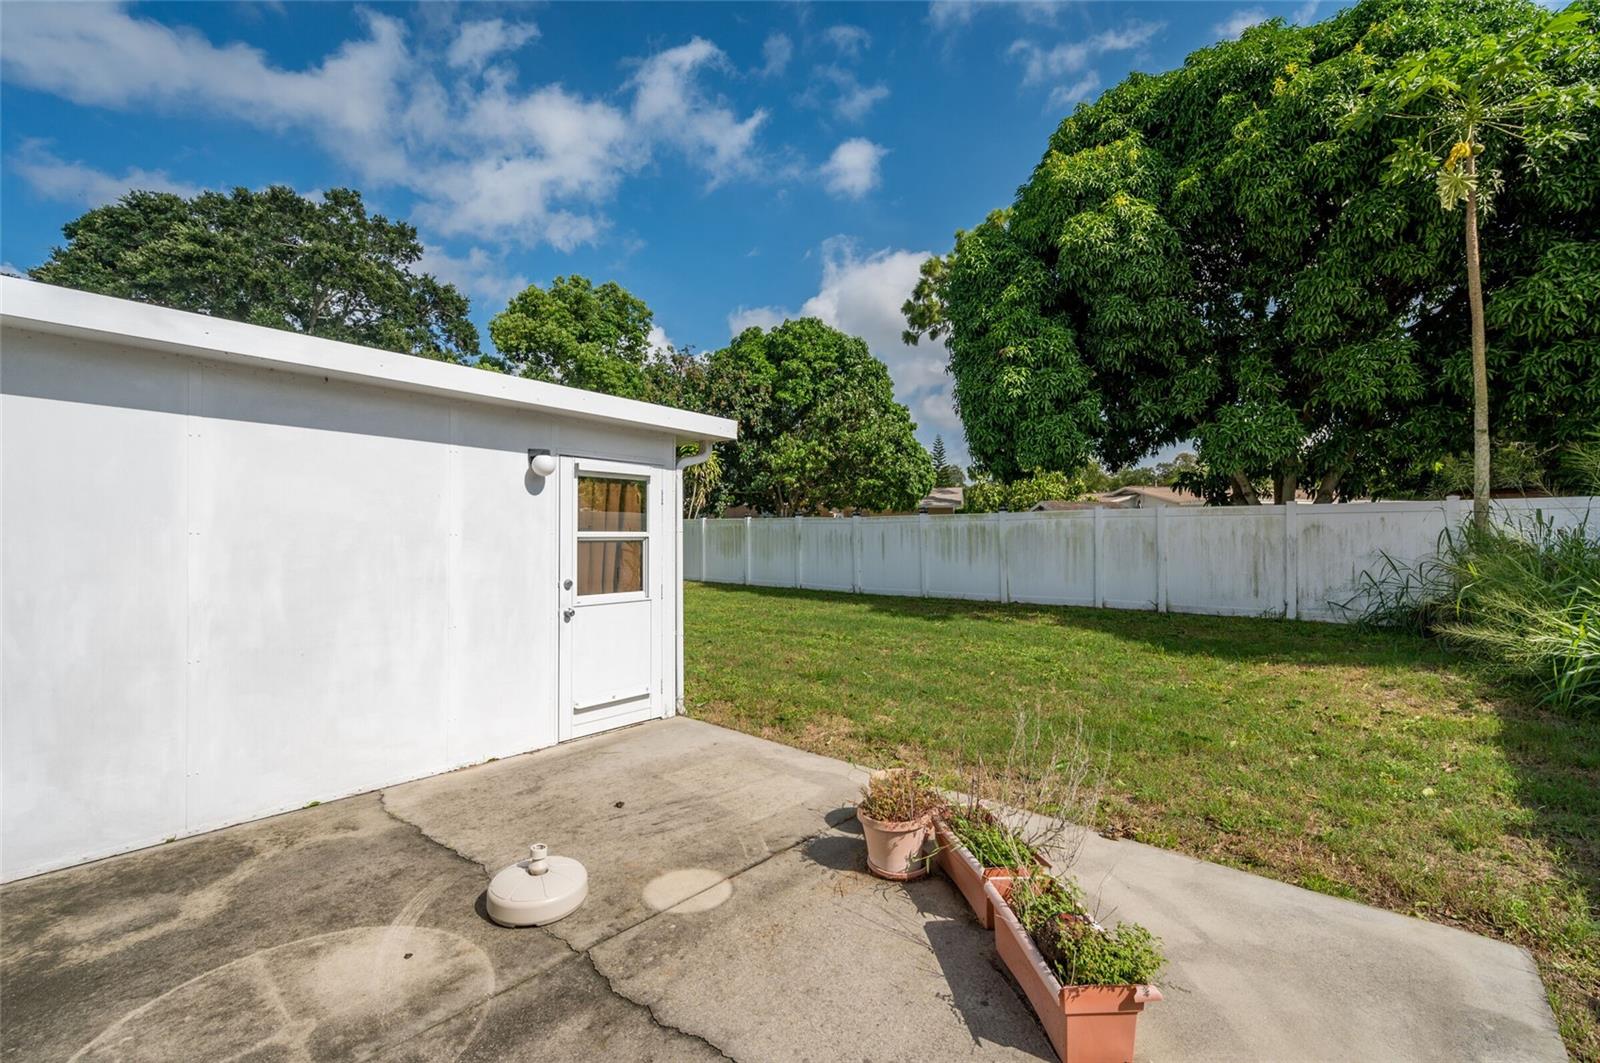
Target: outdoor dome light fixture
{"x":542,"y":462}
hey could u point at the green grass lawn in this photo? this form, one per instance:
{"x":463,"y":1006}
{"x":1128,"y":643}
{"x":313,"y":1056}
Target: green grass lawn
{"x":1363,"y":764}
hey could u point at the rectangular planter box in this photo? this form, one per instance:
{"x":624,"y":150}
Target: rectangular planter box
{"x":960,"y":867}
{"x":1085,"y":1024}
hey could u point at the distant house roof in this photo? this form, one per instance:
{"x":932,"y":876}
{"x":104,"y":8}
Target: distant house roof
{"x":1138,"y":497}
{"x":1051,"y":505}
{"x":943,"y":498}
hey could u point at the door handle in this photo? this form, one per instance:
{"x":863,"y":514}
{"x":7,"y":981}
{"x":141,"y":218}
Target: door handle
{"x":566,"y":614}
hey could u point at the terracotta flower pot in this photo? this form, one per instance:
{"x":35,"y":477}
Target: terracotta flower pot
{"x":894,"y":850}
{"x":1086,"y":1024}
{"x":962,"y":868}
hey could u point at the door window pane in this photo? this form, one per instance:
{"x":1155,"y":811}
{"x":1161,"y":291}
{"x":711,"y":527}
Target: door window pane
{"x":610,"y":566}
{"x":605,"y":504}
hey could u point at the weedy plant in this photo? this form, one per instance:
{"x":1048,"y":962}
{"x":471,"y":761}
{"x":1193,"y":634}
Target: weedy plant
{"x":1523,"y":597}
{"x":899,"y":795}
{"x":1054,"y":773}
{"x":1078,"y":949}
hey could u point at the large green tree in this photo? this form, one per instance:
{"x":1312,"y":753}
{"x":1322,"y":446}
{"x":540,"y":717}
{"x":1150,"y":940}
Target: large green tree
{"x":1215,"y":253}
{"x":818,"y":424}
{"x":269,"y":257}
{"x":573,"y":333}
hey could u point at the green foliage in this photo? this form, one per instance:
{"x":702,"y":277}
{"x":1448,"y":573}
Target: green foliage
{"x":944,"y":473}
{"x":1219,"y":253}
{"x":1580,"y":466}
{"x":1528,"y":600}
{"x":1524,"y":599}
{"x":699,"y":482}
{"x":1134,"y":476}
{"x":270,"y":258}
{"x":576,"y":334}
{"x":987,"y":496}
{"x":1079,"y":950}
{"x":990,"y":842}
{"x":1484,"y":94}
{"x":818,"y":425}
{"x":1514,"y":466}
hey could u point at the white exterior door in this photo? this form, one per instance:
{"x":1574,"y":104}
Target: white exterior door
{"x":614,"y":538}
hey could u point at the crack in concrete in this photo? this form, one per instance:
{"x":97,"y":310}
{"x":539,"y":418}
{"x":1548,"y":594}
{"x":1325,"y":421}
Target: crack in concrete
{"x":587,"y":954}
{"x":383,"y":804}
{"x":649,"y":1009}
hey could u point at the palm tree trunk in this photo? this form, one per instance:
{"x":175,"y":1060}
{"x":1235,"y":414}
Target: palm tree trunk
{"x":1480,"y":362}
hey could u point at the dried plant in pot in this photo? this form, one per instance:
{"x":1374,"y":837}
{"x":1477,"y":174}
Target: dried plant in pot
{"x":896,"y":813}
{"x":1056,"y":774}
{"x":1087,"y":984}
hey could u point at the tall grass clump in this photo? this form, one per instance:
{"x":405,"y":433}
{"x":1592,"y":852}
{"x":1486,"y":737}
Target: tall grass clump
{"x":1524,"y":598}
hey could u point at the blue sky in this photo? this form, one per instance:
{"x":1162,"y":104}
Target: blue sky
{"x":728,"y":163}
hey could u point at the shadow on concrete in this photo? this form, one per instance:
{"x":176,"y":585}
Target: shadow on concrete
{"x":844,"y":819}
{"x":982,"y":995}
{"x":990,"y":1015}
{"x":836,"y":852}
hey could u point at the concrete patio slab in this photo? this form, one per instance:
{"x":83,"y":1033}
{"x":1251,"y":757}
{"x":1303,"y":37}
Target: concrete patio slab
{"x":655,"y":813}
{"x":730,"y":913}
{"x":857,"y":967}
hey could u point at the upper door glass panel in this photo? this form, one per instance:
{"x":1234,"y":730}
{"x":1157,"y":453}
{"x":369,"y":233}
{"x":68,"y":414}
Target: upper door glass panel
{"x":607,"y":504}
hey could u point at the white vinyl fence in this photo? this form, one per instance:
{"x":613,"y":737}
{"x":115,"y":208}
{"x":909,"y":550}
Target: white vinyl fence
{"x":1291,"y":561}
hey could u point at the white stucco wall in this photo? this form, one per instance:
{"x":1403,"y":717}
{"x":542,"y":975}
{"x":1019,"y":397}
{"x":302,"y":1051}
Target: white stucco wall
{"x":230,"y":591}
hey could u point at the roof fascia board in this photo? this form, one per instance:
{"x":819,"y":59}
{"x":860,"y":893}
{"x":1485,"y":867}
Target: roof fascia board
{"x":40,"y":307}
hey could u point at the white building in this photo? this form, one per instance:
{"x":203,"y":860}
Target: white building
{"x":246,"y":569}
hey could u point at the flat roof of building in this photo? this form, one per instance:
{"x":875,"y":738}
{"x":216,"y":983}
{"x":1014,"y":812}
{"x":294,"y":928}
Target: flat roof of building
{"x":30,"y":305}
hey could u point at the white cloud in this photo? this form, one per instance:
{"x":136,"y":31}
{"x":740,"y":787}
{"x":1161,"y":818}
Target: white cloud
{"x":1082,"y":89}
{"x":954,"y":14}
{"x":487,"y":158}
{"x":658,"y":341}
{"x":1235,"y":24}
{"x":75,"y":182}
{"x":477,"y":41}
{"x":851,"y":99}
{"x":1043,"y":65}
{"x":862,"y":295}
{"x":849,"y":40}
{"x":480,"y":274}
{"x":776,"y":52}
{"x":1071,"y":59}
{"x":949,"y":14}
{"x":852,"y":170}
{"x":103,"y":56}
{"x":8,"y":270}
{"x":757,"y":316}
{"x":668,"y":100}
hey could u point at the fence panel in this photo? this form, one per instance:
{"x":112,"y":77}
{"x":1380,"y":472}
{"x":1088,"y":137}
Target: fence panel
{"x":1297,"y":561}
{"x":1130,"y":577}
{"x":1049,"y":560}
{"x":828,"y":554}
{"x":1228,"y":561}
{"x":962,"y":558}
{"x":724,"y":551}
{"x":891,"y":557}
